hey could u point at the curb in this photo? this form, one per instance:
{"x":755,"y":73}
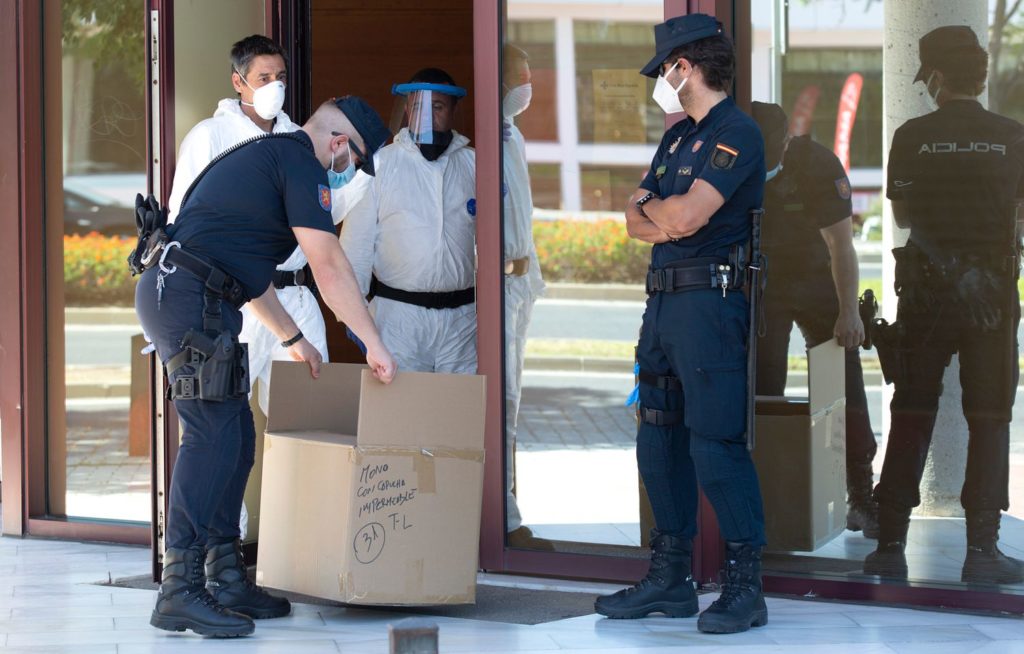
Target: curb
{"x":625,"y":366}
{"x":606,"y":292}
{"x":90,"y":390}
{"x":100,"y":316}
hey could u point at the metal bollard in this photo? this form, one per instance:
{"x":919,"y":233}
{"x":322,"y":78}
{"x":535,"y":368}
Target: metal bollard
{"x":413,"y":636}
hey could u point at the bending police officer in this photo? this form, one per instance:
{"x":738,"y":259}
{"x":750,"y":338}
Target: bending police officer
{"x":695,"y":206}
{"x":808,"y":241}
{"x":242,"y":217}
{"x":955,"y":179}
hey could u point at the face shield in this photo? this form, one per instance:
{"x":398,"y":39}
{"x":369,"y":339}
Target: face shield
{"x":428,"y":110}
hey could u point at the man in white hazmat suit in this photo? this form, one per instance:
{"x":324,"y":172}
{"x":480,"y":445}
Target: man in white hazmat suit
{"x":523,"y":283}
{"x":411,"y":236}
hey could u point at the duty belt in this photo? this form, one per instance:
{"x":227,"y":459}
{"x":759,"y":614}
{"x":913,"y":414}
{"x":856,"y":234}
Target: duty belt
{"x":442,"y":300}
{"x":704,"y":272}
{"x":517,"y":267}
{"x":217,"y":282}
{"x":301,"y":277}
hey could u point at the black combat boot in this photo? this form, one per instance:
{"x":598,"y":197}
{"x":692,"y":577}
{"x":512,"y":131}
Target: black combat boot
{"x":227,"y":579}
{"x":889,"y":560}
{"x":184,"y":603}
{"x":741,"y":604}
{"x":861,"y":509}
{"x":667,"y":588}
{"x":985,"y":564}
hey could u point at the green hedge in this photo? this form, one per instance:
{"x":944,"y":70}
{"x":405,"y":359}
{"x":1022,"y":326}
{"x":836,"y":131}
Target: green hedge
{"x":590,"y":251}
{"x":96,"y":272}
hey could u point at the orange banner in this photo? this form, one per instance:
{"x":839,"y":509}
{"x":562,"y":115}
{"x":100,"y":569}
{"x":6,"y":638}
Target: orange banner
{"x":848,"y":102}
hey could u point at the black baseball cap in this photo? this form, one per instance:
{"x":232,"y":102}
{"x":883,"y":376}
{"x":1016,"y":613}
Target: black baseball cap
{"x":369,"y":125}
{"x":942,"y":46}
{"x":676,"y":32}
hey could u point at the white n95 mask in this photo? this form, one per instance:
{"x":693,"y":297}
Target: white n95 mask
{"x":666,"y":96}
{"x":517,"y":100}
{"x":267,"y":100}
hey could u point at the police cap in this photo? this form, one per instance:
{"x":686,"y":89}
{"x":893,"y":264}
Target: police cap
{"x":676,"y":32}
{"x":942,"y":46}
{"x":369,"y":125}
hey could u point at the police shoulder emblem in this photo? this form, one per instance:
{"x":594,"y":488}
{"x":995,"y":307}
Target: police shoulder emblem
{"x":325,"y":197}
{"x":471,"y":206}
{"x":675,"y":144}
{"x":724,"y":156}
{"x":659,"y":172}
{"x":843,"y":187}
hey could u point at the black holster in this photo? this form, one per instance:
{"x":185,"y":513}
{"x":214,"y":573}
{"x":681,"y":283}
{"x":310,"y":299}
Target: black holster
{"x":918,"y":281}
{"x":891,"y":342}
{"x":221,"y":365}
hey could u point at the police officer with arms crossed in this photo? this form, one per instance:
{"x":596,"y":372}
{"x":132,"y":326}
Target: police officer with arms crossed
{"x":695,"y":207}
{"x":956,"y":180}
{"x":808,"y":241}
{"x":241,"y":218}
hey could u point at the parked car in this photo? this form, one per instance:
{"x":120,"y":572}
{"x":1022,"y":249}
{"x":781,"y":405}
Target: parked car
{"x":102,"y":203}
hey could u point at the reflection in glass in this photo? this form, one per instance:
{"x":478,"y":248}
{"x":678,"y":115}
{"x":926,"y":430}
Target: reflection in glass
{"x":104,"y":147}
{"x":942,"y":376}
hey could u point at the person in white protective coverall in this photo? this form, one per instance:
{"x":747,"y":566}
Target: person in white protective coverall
{"x":411,"y":236}
{"x":523,"y":283}
{"x":258,"y":75}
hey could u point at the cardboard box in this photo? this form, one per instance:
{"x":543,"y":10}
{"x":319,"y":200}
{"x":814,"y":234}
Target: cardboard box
{"x":372,"y":493}
{"x":801,"y":457}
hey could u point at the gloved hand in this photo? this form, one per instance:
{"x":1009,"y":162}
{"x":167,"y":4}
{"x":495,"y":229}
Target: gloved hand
{"x":979,"y":293}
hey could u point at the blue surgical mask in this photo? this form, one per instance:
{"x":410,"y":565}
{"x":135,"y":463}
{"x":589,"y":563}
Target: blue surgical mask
{"x":335,"y":179}
{"x":770,"y":175}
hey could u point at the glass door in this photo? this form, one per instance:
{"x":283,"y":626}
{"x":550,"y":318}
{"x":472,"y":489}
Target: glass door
{"x":98,"y":396}
{"x":580,"y":132}
{"x":943,"y":432}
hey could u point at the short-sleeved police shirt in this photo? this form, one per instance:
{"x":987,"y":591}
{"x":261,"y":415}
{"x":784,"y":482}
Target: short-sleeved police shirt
{"x":240,"y":215}
{"x":810,"y":193}
{"x":725,"y":149}
{"x":960,"y":170}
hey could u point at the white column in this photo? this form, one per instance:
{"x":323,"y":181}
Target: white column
{"x":905,"y":22}
{"x":568,"y":129}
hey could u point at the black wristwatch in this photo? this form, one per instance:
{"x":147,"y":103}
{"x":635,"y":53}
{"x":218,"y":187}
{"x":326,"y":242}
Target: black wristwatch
{"x":293,"y":340}
{"x":647,"y":197}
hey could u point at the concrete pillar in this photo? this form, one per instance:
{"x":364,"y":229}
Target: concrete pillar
{"x":905,"y":22}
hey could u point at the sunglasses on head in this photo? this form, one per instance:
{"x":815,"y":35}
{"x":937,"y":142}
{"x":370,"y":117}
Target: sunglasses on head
{"x":360,"y":157}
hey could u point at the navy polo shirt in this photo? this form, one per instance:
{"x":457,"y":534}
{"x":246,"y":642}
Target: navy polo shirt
{"x":725,"y":149}
{"x":810,"y":193}
{"x":240,"y":215}
{"x":960,"y":170}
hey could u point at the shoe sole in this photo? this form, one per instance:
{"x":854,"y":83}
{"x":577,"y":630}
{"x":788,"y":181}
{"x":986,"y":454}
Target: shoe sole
{"x":168,"y":623}
{"x":259,"y":614}
{"x":759,"y":619}
{"x":684,"y":610}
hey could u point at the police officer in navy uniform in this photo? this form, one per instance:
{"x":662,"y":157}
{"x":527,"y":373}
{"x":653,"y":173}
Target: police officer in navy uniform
{"x":243,"y":216}
{"x":956,"y":180}
{"x":695,"y":206}
{"x":808,"y":241}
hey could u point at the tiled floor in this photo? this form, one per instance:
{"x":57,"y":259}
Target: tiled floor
{"x":49,"y":603}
